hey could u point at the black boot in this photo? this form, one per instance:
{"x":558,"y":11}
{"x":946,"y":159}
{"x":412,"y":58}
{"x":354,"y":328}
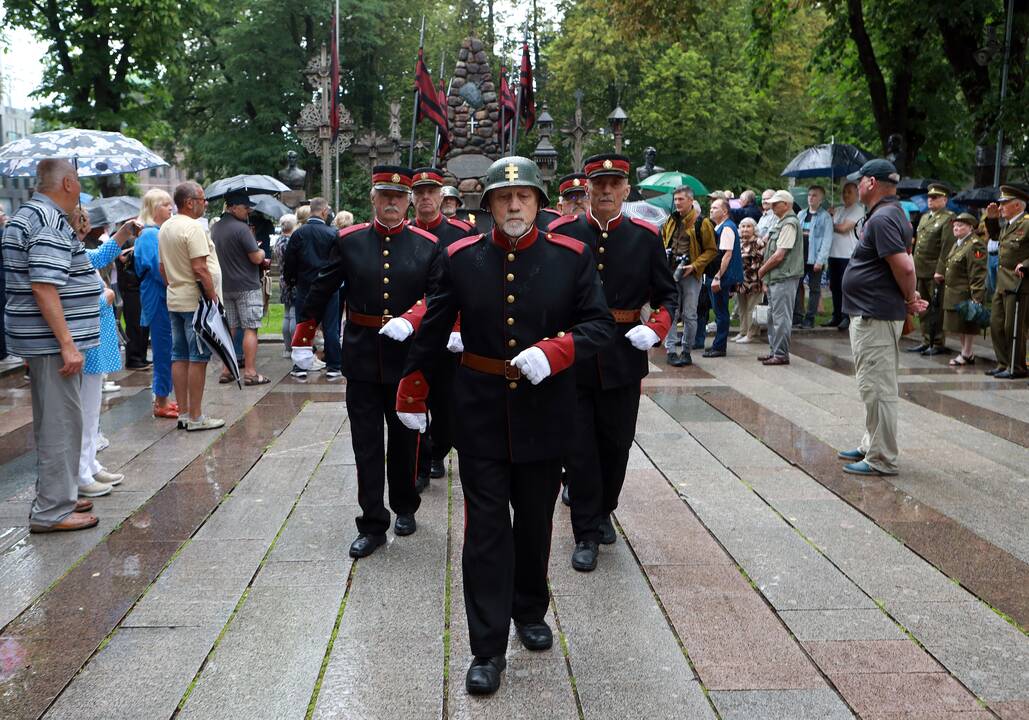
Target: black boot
{"x":483,"y":676}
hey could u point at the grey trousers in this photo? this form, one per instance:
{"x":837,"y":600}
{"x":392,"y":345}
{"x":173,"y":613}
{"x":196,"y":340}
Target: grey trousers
{"x":57,"y":429}
{"x":689,"y":292}
{"x":876,"y":358}
{"x":781,"y":297}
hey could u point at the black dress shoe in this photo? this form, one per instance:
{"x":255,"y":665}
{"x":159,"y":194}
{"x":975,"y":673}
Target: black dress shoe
{"x":672,"y":357}
{"x":844,"y":325}
{"x":405,"y":525}
{"x":929,"y":352}
{"x":438,"y":469}
{"x":917,"y":349}
{"x":483,"y":676}
{"x":420,"y":483}
{"x":565,"y":497}
{"x":1005,"y":375}
{"x":584,"y":557}
{"x":993,"y":371}
{"x":832,"y":323}
{"x":365,"y":545}
{"x":607,"y":531}
{"x":713,"y":353}
{"x":682,"y":360}
{"x":535,"y":636}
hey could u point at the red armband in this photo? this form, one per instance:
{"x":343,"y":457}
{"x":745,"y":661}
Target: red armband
{"x":660,"y":322}
{"x":560,"y":351}
{"x":303,"y":336}
{"x":416,"y":313}
{"x":412,"y":393}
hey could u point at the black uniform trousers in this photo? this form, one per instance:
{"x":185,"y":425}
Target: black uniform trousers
{"x":367,"y":405}
{"x":605,"y":428}
{"x":505,"y":564}
{"x":136,"y":335}
{"x":441,"y":401}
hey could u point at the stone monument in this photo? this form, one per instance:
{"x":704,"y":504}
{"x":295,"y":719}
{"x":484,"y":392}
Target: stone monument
{"x":648,"y":168}
{"x":294,"y":177}
{"x":474,"y":112}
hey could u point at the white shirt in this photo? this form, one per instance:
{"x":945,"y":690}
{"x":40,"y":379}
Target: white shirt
{"x":843,"y":243}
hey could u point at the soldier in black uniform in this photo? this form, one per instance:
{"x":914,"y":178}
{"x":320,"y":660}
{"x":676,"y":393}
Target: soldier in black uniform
{"x":574,"y":199}
{"x":386,"y":268}
{"x":531,"y":304}
{"x":634,"y":270}
{"x":427,"y":191}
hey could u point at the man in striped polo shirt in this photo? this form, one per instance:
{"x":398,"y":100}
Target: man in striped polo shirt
{"x":52,"y":315}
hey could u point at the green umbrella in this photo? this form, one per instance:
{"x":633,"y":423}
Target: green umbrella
{"x":663,"y":201}
{"x":666,"y":182}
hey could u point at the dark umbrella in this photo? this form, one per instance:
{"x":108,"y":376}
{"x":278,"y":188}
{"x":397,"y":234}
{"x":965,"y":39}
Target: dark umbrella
{"x":914,"y":186}
{"x":210,"y":325}
{"x":977,"y":197}
{"x":245,"y":184}
{"x":832,"y":161}
{"x":112,"y":210}
{"x":267,"y":205}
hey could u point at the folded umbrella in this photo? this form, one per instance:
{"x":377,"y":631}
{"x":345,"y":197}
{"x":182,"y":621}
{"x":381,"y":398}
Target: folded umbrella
{"x":211,"y":327}
{"x":245,"y":184}
{"x":112,"y":210}
{"x":94,"y":153}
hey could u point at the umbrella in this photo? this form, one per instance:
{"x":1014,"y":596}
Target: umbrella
{"x":914,"y":186}
{"x":645,"y":210}
{"x":831,"y":161}
{"x":267,"y":205}
{"x":910,"y":207}
{"x":94,"y":153}
{"x":112,"y":210}
{"x":211,"y":327}
{"x":977,"y":197}
{"x":246,"y":184}
{"x":665,"y":182}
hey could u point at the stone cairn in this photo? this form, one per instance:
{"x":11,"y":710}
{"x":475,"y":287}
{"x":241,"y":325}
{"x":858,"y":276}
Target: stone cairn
{"x":468,"y":137}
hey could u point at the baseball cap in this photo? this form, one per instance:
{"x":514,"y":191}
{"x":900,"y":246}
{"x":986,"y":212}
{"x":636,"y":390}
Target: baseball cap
{"x":878,"y":168}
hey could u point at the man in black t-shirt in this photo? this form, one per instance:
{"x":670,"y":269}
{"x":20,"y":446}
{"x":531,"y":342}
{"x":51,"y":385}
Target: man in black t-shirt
{"x":878,"y":293}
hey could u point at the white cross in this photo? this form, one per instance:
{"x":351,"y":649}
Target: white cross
{"x":471,"y":122}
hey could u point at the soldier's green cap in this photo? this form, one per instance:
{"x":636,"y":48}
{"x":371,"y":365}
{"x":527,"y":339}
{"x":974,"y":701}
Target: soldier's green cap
{"x":938,"y":189}
{"x":966,"y":217}
{"x":513,"y":171}
{"x":1015,"y":191}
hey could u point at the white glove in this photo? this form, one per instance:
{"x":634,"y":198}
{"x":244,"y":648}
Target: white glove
{"x":533,"y":363}
{"x":397,"y":329}
{"x":642,"y":337}
{"x":303,"y":357}
{"x":455,"y":344}
{"x":414,"y":421}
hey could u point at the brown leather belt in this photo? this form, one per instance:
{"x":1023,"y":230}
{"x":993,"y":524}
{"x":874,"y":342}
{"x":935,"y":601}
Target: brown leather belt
{"x":625,"y":316}
{"x":372,"y":321}
{"x":491,"y":366}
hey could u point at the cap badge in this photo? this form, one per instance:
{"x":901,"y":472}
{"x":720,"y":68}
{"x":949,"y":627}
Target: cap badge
{"x":425,"y":176}
{"x":511,"y":171}
{"x":576,"y":182}
{"x":608,"y":164}
{"x":395,"y":178}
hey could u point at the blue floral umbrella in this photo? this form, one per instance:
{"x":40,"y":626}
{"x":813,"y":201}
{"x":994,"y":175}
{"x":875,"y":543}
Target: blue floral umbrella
{"x":94,"y":153}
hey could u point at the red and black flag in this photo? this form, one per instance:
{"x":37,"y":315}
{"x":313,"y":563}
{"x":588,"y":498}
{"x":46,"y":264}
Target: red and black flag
{"x":428,"y":98}
{"x":444,"y":129}
{"x":507,"y":102}
{"x":334,"y":104}
{"x":526,"y":94}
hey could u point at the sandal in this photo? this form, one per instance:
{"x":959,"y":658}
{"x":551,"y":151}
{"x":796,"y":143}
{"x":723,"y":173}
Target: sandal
{"x":224,"y":379}
{"x":172,"y":413}
{"x":256,"y":380}
{"x":961,"y":360}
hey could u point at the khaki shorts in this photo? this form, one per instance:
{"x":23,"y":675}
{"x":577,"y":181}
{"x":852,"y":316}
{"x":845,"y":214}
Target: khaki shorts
{"x":244,"y":309}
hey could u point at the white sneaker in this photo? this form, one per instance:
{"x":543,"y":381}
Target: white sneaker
{"x":204,"y":423}
{"x":110,"y":387}
{"x":743,"y":340}
{"x":109,"y":478}
{"x":317,"y":364}
{"x":94,"y":489}
{"x":333,"y":374}
{"x":102,"y":443}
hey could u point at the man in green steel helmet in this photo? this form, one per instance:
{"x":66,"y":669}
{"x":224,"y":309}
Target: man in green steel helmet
{"x":451,"y":201}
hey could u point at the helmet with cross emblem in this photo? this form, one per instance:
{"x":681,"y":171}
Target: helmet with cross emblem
{"x":513,"y":171}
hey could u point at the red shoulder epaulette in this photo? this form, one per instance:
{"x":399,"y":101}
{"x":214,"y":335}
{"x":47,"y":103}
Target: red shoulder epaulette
{"x":462,"y":244}
{"x":563,"y":220}
{"x":566,"y":242}
{"x":647,"y":226}
{"x":424,"y":233}
{"x":353,"y":228}
{"x":552,"y":211}
{"x":460,"y":224}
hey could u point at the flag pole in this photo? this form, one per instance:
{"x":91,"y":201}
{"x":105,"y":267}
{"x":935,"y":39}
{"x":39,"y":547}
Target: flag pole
{"x":435,"y":145}
{"x":518,"y":103}
{"x":417,"y":97}
{"x":503,"y":124}
{"x":335,"y":19}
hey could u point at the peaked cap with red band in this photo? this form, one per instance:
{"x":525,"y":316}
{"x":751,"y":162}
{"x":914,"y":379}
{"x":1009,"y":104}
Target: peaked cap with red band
{"x":576,"y":182}
{"x":427,"y":176}
{"x":391,"y":177}
{"x":607,"y":164}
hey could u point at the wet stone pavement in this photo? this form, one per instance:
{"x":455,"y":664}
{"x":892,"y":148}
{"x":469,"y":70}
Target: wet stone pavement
{"x":752,"y":579}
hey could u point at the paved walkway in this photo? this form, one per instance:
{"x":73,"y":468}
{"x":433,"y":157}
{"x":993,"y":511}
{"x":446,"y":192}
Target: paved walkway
{"x":752,"y":579}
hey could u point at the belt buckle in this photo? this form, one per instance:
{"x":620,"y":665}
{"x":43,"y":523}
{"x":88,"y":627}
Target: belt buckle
{"x":385,"y":319}
{"x":511,"y":372}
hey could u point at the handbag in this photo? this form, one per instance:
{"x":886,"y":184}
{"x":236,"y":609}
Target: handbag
{"x":760,"y":315}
